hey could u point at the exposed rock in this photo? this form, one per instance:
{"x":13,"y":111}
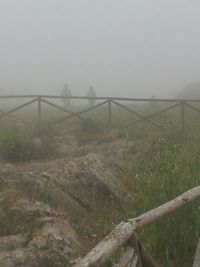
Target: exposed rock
{"x":12,"y":242}
{"x":71,"y":184}
{"x":51,"y":240}
{"x":48,"y":195}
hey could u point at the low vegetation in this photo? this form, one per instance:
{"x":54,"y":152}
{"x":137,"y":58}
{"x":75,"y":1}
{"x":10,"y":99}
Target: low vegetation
{"x":170,"y":166}
{"x":12,"y":222}
{"x":165,"y":172}
{"x":20,"y":143}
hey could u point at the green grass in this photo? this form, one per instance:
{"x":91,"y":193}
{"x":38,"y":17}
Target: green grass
{"x":166,"y":170}
{"x":169,"y":166}
{"x":164,"y":173}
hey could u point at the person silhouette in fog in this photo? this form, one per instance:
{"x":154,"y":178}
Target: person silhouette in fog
{"x":66,"y":93}
{"x":91,"y":93}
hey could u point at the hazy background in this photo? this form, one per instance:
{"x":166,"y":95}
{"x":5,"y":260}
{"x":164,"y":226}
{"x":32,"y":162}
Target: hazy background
{"x":121,"y":47}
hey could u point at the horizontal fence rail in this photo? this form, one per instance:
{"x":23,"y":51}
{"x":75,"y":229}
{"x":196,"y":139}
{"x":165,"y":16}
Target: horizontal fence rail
{"x":105,"y":98}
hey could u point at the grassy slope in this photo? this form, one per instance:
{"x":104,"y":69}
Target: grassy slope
{"x":163,"y":172}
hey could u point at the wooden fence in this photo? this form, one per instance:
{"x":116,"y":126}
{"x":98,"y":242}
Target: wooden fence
{"x":109,"y":101}
{"x":124,"y":235}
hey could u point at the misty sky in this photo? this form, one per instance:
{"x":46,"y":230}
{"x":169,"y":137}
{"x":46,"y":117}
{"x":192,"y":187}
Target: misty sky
{"x":121,"y":47}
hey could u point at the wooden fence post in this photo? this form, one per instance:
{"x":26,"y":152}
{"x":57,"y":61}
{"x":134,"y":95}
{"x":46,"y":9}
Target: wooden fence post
{"x":183,"y":116}
{"x":39,"y":112}
{"x":109,"y":113}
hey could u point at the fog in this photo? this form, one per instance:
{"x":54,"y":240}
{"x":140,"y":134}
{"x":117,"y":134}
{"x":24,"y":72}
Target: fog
{"x":132,"y":48}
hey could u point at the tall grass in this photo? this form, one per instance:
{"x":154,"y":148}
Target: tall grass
{"x":164,"y":173}
{"x":170,"y":166}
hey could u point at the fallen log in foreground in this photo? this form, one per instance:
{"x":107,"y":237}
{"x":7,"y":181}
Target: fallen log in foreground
{"x":122,"y":233}
{"x":197,"y":256}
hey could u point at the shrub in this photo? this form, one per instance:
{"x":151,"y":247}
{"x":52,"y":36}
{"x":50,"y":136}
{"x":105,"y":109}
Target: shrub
{"x":89,"y":126}
{"x":15,"y":144}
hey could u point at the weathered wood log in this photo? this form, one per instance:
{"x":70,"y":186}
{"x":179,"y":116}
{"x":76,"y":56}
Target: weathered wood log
{"x":135,"y":245}
{"x":146,"y":258}
{"x":128,"y":258}
{"x":135,"y":255}
{"x":119,"y":236}
{"x":197,"y":256}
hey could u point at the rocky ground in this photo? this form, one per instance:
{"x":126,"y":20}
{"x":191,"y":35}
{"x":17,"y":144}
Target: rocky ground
{"x":40,"y":201}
